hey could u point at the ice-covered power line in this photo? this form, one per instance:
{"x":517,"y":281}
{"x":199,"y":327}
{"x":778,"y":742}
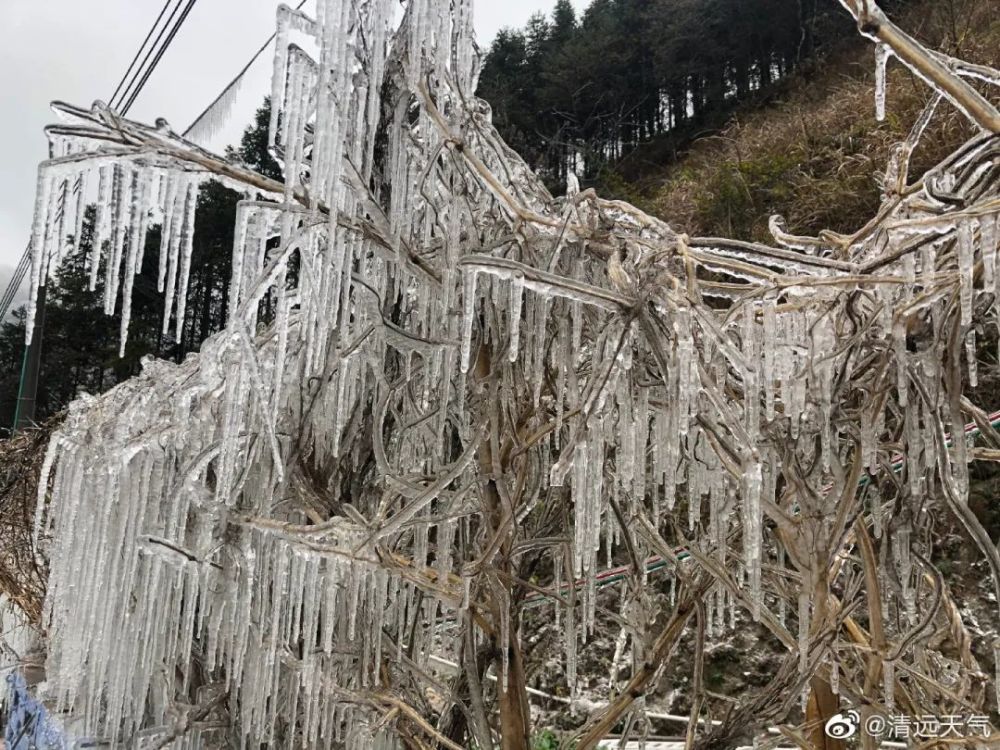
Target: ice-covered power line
{"x":213,"y":117}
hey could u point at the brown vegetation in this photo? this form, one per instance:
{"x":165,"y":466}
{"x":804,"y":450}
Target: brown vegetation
{"x":23,"y":572}
{"x":813,"y":157}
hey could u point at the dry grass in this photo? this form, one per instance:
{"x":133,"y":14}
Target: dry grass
{"x":23,"y":571}
{"x":816,"y":156}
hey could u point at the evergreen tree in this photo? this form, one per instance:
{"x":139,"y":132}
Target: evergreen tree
{"x":253,"y":151}
{"x":503,"y":83}
{"x":588,"y":93}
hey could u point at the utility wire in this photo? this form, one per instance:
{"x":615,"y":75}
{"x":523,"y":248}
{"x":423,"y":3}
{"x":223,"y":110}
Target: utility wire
{"x":159,"y":55}
{"x":138,"y":52}
{"x":153,"y":50}
{"x":149,"y":53}
{"x":15,"y":282}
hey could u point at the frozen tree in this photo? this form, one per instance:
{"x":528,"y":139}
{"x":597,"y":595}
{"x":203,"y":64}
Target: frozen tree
{"x":442,"y":392}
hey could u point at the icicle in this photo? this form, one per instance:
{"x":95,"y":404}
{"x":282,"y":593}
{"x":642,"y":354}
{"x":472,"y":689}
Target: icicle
{"x":516,"y":297}
{"x":752,"y":532}
{"x":576,"y":318}
{"x":752,"y":344}
{"x":971,"y":357}
{"x":124,"y":186}
{"x":769,"y":345}
{"x":100,"y":225}
{"x":867,"y":440}
{"x":214,"y":119}
{"x":686,"y":365}
{"x":569,"y":639}
{"x":79,"y":207}
{"x":170,"y":248}
{"x":136,"y":241}
{"x":187,"y":249}
{"x":899,"y":347}
{"x":996,"y":662}
{"x":882,"y":53}
{"x":468,"y":314}
{"x":169,"y":199}
{"x":889,"y":682}
{"x":966,"y":268}
{"x":988,"y":249}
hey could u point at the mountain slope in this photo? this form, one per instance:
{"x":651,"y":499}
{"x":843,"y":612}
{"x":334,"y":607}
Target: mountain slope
{"x":815,"y":154}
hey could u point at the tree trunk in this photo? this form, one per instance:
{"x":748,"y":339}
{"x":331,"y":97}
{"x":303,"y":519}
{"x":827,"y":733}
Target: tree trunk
{"x":823,"y":704}
{"x":515,"y":716}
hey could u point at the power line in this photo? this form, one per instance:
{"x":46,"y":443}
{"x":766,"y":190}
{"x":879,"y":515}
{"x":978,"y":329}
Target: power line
{"x":18,"y":271}
{"x":15,"y":282}
{"x":138,"y":52}
{"x":149,"y":53}
{"x":159,"y":55}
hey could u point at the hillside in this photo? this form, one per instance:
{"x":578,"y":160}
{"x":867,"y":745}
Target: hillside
{"x":813,"y":153}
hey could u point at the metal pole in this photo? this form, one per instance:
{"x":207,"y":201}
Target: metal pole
{"x":24,"y":415}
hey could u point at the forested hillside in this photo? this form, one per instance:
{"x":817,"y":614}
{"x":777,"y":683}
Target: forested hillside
{"x":814,"y":155}
{"x":586,"y":92}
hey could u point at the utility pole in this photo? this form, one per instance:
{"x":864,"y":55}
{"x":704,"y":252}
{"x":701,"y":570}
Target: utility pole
{"x":24,"y":415}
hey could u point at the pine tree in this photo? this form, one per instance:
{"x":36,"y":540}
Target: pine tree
{"x":591,"y":92}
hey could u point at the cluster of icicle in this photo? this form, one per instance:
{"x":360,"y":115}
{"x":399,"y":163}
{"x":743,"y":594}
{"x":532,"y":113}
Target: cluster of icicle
{"x":408,"y":254}
{"x":173,"y":560}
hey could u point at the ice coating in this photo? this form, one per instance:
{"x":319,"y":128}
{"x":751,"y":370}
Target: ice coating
{"x":413,"y":321}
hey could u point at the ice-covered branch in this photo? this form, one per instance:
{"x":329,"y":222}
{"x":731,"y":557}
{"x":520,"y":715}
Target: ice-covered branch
{"x":874,"y":24}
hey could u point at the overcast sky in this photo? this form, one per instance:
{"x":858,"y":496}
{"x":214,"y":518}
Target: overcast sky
{"x":78,"y":50}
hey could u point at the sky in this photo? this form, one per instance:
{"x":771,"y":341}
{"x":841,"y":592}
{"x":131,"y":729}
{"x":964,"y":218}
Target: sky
{"x":78,"y":50}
